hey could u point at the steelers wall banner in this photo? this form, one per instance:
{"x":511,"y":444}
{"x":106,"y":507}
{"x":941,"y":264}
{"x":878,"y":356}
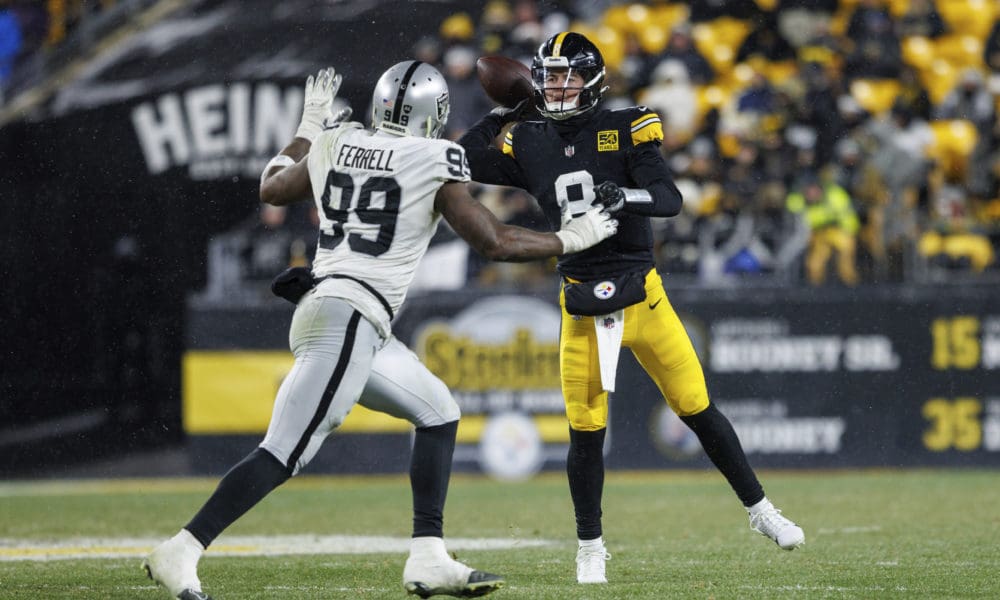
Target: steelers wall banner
{"x":842,"y":379}
{"x":808,"y":381}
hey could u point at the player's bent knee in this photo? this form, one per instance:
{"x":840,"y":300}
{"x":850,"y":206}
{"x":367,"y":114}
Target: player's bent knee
{"x":277,"y":453}
{"x":586,"y":421}
{"x":689,"y":406}
{"x":441,"y":415}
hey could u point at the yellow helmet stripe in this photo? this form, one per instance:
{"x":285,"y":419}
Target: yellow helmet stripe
{"x":557,"y":45}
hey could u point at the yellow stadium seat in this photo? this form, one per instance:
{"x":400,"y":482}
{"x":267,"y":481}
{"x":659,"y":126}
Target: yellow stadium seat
{"x":842,"y":16}
{"x":653,"y":39}
{"x":779,"y":71}
{"x":668,"y":15}
{"x":875,"y":95}
{"x":730,"y":31}
{"x":971,"y":17}
{"x":709,"y":97}
{"x":737,"y":78}
{"x":954,"y":141}
{"x":616,"y":17}
{"x":898,"y":8}
{"x":974,"y":247}
{"x":627,"y":18}
{"x":719,"y":40}
{"x":918,"y":51}
{"x":961,"y":50}
{"x":728,"y":144}
{"x":939,"y":79}
{"x":458,"y":26}
{"x":611,"y":43}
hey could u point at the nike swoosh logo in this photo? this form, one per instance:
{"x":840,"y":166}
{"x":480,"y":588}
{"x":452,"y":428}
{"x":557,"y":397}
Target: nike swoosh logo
{"x":653,"y":305}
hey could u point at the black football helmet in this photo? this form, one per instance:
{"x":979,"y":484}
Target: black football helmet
{"x":555,"y":63}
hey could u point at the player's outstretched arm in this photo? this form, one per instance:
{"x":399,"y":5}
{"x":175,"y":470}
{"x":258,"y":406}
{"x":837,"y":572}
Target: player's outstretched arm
{"x":286,"y":182}
{"x":286,"y":177}
{"x":478,"y":226}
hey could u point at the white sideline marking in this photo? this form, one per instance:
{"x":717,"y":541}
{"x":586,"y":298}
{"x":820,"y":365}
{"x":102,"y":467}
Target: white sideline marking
{"x":26,"y":549}
{"x":849,"y":530}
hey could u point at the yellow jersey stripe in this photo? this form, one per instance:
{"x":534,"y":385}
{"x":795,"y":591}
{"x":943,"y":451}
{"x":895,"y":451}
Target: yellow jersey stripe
{"x":647,"y":129}
{"x":557,"y":45}
{"x":508,"y":144}
{"x":638,"y":123}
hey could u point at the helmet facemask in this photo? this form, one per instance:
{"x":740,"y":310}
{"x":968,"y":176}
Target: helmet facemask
{"x":562,"y":91}
{"x":571,"y":69}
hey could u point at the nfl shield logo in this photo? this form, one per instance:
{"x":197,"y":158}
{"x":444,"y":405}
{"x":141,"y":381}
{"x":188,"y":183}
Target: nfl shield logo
{"x":570,"y":151}
{"x":609,"y":323}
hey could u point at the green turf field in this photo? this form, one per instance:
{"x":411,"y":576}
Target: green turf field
{"x":873,"y":534}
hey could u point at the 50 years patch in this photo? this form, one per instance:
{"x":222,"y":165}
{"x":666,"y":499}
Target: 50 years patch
{"x":607,"y":141}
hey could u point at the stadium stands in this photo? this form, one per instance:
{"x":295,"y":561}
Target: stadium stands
{"x":788,"y":101}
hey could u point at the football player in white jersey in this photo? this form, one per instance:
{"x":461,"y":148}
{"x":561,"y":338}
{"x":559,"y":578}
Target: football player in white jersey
{"x":381,"y":193}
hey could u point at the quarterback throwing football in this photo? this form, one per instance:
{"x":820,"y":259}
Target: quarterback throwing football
{"x":578,"y":156}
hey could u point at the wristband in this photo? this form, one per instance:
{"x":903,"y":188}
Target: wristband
{"x":281,"y":160}
{"x":637,"y":196}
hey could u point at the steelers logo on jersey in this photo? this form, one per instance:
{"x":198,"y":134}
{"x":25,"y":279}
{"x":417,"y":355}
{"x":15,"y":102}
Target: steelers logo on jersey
{"x":604,"y":290}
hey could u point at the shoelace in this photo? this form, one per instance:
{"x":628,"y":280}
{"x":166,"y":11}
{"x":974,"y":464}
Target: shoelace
{"x":589,"y":556}
{"x":769,"y":520}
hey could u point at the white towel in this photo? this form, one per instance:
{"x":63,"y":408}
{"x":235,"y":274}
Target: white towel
{"x":609,"y":330}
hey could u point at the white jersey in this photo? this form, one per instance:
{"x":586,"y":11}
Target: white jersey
{"x":375,"y":194}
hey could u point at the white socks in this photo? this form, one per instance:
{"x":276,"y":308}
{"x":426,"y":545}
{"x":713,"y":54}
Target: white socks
{"x":595,"y":543}
{"x":190,"y":542}
{"x":428,"y":546}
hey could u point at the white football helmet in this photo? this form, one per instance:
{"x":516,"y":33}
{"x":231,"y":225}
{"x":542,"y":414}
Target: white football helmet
{"x":411,"y":98}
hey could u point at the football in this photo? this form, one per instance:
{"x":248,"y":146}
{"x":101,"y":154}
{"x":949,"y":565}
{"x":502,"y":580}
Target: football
{"x":505,"y":80}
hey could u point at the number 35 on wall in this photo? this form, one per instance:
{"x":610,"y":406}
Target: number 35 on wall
{"x":954,"y":424}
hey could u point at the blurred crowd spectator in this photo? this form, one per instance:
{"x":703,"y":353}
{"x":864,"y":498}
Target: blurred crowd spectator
{"x":32,"y":27}
{"x":816,"y":142}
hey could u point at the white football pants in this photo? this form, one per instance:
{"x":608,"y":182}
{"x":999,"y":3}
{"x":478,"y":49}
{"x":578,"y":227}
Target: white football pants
{"x":340,"y":360}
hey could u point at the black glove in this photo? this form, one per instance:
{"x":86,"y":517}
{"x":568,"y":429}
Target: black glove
{"x":525,"y":110}
{"x":293,"y":283}
{"x":610,"y":196}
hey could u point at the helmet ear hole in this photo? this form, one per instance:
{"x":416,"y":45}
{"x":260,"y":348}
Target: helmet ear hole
{"x":411,"y":98}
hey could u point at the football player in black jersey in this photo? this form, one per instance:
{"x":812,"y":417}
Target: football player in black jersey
{"x":575,"y":156}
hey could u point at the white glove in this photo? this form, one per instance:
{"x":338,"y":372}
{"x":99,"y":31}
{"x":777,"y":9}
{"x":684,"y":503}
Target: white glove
{"x":590,"y":228}
{"x":317,"y":104}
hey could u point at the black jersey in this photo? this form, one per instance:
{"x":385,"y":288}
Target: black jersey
{"x":560,"y":163}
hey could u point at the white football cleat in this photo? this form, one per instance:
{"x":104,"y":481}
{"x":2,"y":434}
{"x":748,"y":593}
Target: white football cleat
{"x":174,"y":565}
{"x":767,"y":520}
{"x":590,"y":566}
{"x":430,"y":571}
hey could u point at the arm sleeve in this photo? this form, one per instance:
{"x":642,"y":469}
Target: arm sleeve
{"x":488,"y":164}
{"x":650,"y":172}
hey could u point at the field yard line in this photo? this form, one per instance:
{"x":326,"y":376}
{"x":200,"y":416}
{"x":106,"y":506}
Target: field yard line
{"x":35,"y":550}
{"x":839,"y":589}
{"x":854,"y":529}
